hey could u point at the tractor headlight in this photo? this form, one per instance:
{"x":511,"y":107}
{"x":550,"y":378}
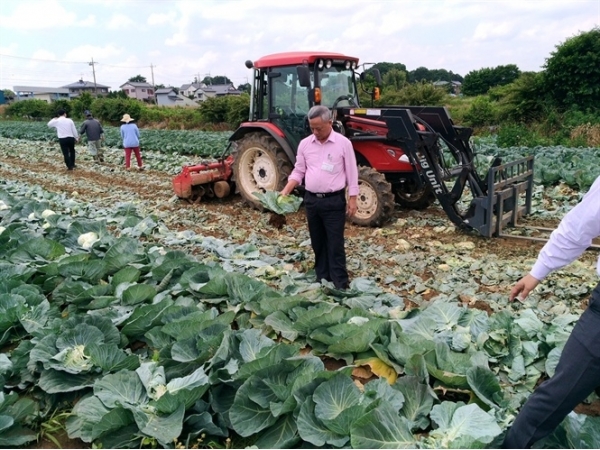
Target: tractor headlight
{"x":320,"y":64}
{"x":347,"y":65}
{"x":328,"y":64}
{"x":353,"y":65}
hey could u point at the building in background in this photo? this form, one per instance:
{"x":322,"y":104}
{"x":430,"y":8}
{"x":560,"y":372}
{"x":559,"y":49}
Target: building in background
{"x":168,"y":97}
{"x":138,"y":90}
{"x":79,"y":87}
{"x":48,"y":94}
{"x":215,"y":90}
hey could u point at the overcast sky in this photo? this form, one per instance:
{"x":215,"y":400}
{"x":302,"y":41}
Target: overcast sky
{"x":52,"y":42}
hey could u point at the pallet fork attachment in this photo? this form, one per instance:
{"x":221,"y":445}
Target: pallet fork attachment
{"x":497,"y":201}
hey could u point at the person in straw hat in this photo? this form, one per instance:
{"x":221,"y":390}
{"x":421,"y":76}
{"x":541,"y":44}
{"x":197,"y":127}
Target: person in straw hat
{"x":131,"y":141}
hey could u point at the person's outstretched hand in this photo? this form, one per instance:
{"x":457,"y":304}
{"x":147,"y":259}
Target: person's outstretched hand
{"x":524,"y":286}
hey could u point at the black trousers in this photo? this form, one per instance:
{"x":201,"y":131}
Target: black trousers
{"x":577,"y":375}
{"x":67,"y":145}
{"x":326,"y":220}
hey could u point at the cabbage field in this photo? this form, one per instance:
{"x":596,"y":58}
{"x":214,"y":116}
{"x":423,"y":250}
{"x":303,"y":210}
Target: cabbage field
{"x":131,"y":319}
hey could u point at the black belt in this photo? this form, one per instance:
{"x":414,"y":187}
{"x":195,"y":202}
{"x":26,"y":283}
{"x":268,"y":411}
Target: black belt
{"x":326,"y":194}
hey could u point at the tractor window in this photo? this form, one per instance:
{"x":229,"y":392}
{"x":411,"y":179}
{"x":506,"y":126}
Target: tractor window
{"x":337,"y":82}
{"x":288,"y":97}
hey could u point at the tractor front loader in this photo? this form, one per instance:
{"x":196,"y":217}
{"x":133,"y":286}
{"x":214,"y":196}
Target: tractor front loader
{"x":441,"y":155}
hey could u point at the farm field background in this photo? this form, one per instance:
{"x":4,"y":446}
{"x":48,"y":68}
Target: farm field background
{"x":129,"y":318}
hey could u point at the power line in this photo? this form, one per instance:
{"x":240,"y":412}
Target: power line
{"x":71,"y":62}
{"x":45,"y":60}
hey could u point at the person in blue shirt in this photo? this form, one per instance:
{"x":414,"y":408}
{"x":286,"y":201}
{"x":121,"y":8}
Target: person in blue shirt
{"x":130,"y":134}
{"x":578,"y":371}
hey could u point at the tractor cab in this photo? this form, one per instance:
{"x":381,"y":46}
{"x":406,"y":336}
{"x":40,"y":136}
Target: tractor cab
{"x":287,"y":85}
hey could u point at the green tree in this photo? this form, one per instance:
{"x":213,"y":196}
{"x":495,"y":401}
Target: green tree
{"x":66,"y":105}
{"x":117,"y":94}
{"x":32,"y":108}
{"x":8,"y":94}
{"x":219,"y":79}
{"x":394,"y":79}
{"x":523,"y":100}
{"x":420,"y":74}
{"x":112,"y":109}
{"x":214,"y":110}
{"x":385,"y":67}
{"x":82,"y":103}
{"x":481,"y":112}
{"x":418,"y":94}
{"x":138,"y":79}
{"x":478,"y":82}
{"x":246,"y":87}
{"x":238,"y":109}
{"x":572,"y":72}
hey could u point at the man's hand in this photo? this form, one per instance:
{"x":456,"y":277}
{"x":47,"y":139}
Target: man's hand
{"x":289,"y":187}
{"x":351,"y":208}
{"x":524,"y":286}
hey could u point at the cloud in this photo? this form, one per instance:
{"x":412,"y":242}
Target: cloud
{"x":486,"y":31}
{"x":119,"y":21}
{"x":161,"y":18}
{"x":85,"y":53}
{"x":42,"y":14}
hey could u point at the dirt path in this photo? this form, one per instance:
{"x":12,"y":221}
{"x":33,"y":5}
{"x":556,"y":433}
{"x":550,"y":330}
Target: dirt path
{"x":106,"y":184}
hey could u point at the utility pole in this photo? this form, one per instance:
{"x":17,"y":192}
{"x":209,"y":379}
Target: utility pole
{"x":152,"y":72}
{"x":94,"y":72}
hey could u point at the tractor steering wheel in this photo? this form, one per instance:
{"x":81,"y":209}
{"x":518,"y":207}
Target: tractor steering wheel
{"x":349,"y":98}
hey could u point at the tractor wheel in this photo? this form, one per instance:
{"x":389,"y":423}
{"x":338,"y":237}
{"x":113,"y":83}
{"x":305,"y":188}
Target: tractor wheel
{"x":260,"y":165}
{"x":410,"y":196}
{"x":375,"y":199}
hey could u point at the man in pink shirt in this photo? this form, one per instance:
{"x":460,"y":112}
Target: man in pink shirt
{"x":578,"y":371}
{"x":326,"y":162}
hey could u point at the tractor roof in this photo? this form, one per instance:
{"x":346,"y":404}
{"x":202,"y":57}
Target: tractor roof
{"x":297,"y":58}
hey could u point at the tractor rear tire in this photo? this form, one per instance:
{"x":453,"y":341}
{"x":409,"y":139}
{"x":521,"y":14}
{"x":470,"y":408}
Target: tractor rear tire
{"x":375,"y":199}
{"x":410,"y":196}
{"x":260,"y":165}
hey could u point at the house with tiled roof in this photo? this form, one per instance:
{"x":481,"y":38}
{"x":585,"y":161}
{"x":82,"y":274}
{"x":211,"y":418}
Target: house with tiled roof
{"x":138,"y":90}
{"x":168,"y":97}
{"x":190,"y":89}
{"x":77,"y":88}
{"x":216,"y":90}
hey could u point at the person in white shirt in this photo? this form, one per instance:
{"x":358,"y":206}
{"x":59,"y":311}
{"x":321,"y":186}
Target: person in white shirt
{"x":578,"y":371}
{"x":67,"y":136}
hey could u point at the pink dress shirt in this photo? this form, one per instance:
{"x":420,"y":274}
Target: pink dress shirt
{"x":326,"y":167}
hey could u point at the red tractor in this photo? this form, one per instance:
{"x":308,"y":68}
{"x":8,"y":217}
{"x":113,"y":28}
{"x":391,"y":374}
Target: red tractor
{"x":409,"y":155}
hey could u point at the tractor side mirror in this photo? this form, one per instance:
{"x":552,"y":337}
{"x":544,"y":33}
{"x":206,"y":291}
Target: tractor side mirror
{"x":303,"y":76}
{"x":377,"y":76}
{"x":375,"y":73}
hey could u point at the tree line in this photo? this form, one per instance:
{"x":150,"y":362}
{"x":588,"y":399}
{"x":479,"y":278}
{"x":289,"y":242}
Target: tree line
{"x":560,"y":104}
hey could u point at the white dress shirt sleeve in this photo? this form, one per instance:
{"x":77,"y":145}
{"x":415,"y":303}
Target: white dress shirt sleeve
{"x":573,"y":235}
